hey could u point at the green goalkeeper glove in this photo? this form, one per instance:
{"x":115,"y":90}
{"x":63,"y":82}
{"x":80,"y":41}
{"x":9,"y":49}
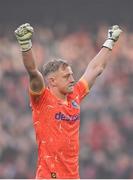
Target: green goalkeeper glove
{"x":23,"y":34}
{"x":113,"y":35}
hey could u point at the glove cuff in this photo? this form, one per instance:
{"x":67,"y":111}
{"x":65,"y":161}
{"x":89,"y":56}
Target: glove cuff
{"x":109,"y":43}
{"x":25,"y":45}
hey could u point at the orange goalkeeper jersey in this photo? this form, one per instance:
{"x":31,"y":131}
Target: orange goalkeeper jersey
{"x":57,"y":132}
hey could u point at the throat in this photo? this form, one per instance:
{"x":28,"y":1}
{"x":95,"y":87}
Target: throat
{"x":60,"y":96}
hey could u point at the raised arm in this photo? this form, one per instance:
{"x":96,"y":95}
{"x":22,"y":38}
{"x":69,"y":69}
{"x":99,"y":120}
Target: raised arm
{"x":23,"y":35}
{"x":99,"y":62}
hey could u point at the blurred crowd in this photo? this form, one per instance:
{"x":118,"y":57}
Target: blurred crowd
{"x":106,"y":143}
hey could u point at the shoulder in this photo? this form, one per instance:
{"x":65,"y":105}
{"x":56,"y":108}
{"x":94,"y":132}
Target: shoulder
{"x":81,"y":89}
{"x":82,"y":84}
{"x":37,"y":98}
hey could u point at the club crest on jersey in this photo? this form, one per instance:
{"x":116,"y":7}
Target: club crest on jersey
{"x":53,"y":175}
{"x":75,"y":104}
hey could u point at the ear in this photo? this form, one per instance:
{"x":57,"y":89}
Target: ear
{"x":52,"y":81}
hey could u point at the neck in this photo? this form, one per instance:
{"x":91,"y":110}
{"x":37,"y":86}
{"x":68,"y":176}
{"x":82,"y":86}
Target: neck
{"x":59,"y":94}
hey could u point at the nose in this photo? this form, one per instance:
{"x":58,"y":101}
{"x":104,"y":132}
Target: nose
{"x":72,"y":79}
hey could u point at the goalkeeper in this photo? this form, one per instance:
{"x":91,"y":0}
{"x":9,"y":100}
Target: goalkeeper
{"x":56,"y":107}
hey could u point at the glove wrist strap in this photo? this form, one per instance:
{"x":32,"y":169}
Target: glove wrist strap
{"x":109,"y":43}
{"x":25,"y":46}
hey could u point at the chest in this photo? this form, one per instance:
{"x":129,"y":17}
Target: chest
{"x":62,"y":110}
{"x":56,"y":118}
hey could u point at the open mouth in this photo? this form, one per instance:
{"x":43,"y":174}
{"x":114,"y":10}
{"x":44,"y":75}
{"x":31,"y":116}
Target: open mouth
{"x":72,"y":85}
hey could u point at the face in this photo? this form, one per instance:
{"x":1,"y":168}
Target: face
{"x":64,"y":80}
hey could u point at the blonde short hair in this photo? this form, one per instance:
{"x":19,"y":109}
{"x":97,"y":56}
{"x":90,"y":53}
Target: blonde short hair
{"x":53,"y":66}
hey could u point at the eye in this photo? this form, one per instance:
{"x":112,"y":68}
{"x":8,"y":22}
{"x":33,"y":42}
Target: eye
{"x":67,"y":76}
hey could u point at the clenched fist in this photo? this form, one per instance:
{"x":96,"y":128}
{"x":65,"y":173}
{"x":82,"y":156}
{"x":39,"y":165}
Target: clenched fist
{"x":113,"y":35}
{"x":24,"y":34}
